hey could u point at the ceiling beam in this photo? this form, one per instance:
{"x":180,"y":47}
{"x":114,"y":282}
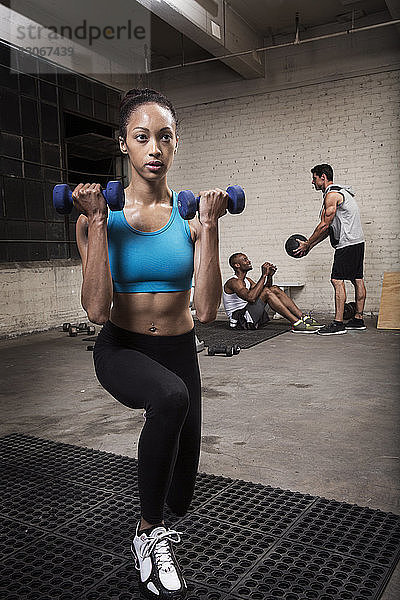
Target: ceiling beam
{"x":216,"y":27}
{"x":394,"y":9}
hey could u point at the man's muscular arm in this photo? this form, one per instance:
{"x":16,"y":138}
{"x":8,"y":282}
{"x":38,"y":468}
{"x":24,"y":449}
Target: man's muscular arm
{"x":322,"y":229}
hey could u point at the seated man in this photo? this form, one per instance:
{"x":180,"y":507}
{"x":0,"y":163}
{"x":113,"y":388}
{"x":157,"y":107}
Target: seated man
{"x":245,"y":301}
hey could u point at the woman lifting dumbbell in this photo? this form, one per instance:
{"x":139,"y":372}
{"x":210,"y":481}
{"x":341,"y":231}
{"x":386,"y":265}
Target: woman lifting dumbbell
{"x":138,"y":265}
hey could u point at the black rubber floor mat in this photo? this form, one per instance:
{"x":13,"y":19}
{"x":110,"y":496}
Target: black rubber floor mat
{"x":268,"y":510}
{"x":68,"y":514}
{"x":79,"y":465}
{"x":54,"y":568}
{"x":293,"y":571}
{"x":218,"y":333}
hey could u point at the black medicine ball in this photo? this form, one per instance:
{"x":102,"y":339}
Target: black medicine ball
{"x":292,"y":244}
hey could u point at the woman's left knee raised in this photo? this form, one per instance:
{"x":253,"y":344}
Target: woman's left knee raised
{"x":173,"y":402}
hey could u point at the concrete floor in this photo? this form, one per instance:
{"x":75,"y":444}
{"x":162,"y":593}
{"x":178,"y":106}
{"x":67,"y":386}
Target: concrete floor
{"x":313,"y":414}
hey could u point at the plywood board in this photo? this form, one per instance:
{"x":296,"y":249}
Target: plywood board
{"x":389,"y":309}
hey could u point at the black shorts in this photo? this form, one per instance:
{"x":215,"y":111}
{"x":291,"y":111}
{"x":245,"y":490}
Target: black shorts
{"x":348,"y":262}
{"x":257,"y":312}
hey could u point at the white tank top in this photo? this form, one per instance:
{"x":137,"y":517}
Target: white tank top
{"x":233,"y":302}
{"x":346,"y":228}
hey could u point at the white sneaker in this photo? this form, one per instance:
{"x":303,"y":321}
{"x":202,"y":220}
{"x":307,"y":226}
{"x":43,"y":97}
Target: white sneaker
{"x":160,"y":576}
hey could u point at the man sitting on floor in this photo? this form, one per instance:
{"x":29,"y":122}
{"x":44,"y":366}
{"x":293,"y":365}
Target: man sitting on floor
{"x":245,"y":301}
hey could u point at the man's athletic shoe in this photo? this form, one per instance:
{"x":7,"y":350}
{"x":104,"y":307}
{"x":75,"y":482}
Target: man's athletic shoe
{"x":160,"y":576}
{"x":335,"y":328}
{"x":303,"y":327}
{"x":356,"y":324}
{"x":311,"y":321}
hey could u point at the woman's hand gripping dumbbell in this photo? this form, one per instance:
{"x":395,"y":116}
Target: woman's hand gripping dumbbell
{"x":188,"y":204}
{"x":63,"y":200}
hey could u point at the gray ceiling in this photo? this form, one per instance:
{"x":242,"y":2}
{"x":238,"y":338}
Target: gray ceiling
{"x":277,"y":16}
{"x":269,"y":18}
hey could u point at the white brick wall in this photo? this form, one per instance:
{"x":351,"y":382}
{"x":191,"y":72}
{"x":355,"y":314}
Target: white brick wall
{"x":268,"y":142}
{"x":39,"y":296}
{"x":265,"y":140}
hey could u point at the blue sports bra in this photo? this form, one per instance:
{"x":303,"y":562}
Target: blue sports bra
{"x":150,"y":261}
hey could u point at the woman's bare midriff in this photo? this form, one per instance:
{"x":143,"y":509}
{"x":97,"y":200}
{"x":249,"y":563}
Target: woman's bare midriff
{"x":158,"y":313}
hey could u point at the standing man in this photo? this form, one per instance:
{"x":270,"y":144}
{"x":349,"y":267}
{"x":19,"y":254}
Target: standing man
{"x":340,"y":220}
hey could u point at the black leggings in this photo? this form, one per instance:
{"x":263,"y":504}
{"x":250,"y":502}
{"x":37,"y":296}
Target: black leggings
{"x":161,"y":375}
